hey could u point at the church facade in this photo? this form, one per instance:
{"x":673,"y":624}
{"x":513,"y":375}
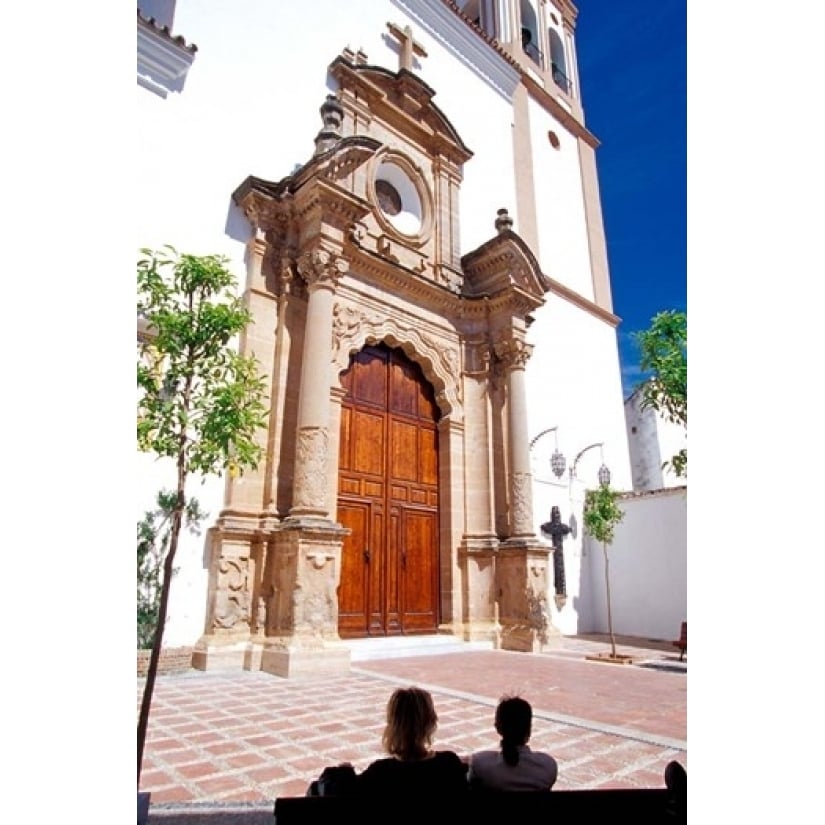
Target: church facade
{"x":407,"y":193}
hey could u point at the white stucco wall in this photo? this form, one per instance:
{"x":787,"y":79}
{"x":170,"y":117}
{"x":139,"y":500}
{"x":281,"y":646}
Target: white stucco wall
{"x":187,"y":603}
{"x":564,"y":251}
{"x":250,"y":107}
{"x":574,"y":384}
{"x":648,"y":569}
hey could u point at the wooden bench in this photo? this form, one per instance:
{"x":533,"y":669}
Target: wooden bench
{"x":641,"y":806}
{"x":681,"y":642}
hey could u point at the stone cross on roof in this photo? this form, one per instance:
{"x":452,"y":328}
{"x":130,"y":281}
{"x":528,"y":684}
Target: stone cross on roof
{"x":409,"y":46}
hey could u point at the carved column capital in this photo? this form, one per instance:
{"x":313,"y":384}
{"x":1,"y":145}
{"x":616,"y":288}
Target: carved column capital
{"x":321,"y":268}
{"x":513,"y":352}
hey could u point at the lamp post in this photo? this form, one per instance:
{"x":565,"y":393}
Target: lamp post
{"x":604,"y":472}
{"x":557,"y":461}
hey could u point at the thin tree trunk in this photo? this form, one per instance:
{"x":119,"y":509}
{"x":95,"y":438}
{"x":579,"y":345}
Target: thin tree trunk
{"x":609,"y":614}
{"x":168,"y":568}
{"x":151,"y":673}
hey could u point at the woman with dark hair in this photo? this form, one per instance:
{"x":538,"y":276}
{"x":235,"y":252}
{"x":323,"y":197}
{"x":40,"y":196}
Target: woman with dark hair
{"x":412,"y":768}
{"x":514,"y":767}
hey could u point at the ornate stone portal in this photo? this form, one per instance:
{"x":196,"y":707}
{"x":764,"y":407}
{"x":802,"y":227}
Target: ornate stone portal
{"x":360,"y":247}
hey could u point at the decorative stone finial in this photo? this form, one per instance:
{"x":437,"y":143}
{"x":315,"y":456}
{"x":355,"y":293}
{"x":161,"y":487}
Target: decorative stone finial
{"x":504,"y":223}
{"x":332,"y":113}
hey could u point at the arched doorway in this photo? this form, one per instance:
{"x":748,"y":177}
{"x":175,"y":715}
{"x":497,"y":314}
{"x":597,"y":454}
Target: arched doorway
{"x":388,"y":497}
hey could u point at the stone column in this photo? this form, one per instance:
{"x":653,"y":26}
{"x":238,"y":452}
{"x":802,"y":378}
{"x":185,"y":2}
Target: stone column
{"x":321,"y":270}
{"x":302,"y":616}
{"x":514,"y":353}
{"x":477,"y":552}
{"x":523,"y":561}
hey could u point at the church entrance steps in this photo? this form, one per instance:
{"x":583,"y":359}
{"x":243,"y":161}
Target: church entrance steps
{"x":398,"y":647}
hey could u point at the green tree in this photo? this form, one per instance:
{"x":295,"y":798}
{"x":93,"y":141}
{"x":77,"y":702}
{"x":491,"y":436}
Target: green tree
{"x":663,"y":349}
{"x":601,"y":515}
{"x":153,"y":534}
{"x":200,"y":403}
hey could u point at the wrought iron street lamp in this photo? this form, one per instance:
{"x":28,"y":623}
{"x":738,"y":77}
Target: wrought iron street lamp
{"x":557,"y":461}
{"x":603,"y":473}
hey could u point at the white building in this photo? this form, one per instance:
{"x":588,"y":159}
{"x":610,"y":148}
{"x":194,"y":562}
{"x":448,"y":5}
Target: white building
{"x":462,"y":109}
{"x":653,"y":441}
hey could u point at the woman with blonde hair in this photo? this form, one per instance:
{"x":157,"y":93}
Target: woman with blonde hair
{"x":412,"y":767}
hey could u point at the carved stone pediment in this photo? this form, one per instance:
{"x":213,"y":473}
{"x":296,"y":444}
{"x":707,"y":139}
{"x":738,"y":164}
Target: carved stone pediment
{"x":503,"y":265}
{"x":347,"y":155}
{"x":265,"y":202}
{"x":403,"y":99}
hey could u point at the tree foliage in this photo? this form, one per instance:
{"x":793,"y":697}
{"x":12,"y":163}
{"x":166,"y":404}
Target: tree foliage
{"x":663,"y":350}
{"x":153,"y":534}
{"x":200,"y":402}
{"x":602,"y":513}
{"x":601,"y":516}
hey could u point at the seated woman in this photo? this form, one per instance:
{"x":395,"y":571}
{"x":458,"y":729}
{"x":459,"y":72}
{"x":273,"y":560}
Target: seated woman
{"x":413,"y":769}
{"x":515,"y":767}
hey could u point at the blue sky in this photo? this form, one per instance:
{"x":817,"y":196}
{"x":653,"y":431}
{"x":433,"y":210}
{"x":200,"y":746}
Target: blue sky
{"x":632,"y":67}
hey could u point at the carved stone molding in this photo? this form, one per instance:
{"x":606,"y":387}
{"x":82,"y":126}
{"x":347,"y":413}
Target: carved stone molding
{"x":321,"y":268}
{"x":287,"y":280}
{"x":477,"y":357}
{"x":318,"y":558}
{"x":522,"y":504}
{"x":505,"y":265}
{"x":262,"y":211}
{"x":512,"y":352}
{"x":310,"y":490}
{"x":231,"y":611}
{"x":352,"y":329}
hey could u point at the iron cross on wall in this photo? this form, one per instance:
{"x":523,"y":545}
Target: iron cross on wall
{"x":557,"y":531}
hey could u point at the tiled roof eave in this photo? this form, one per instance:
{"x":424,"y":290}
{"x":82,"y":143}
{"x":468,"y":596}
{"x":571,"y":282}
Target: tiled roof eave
{"x":178,"y":40}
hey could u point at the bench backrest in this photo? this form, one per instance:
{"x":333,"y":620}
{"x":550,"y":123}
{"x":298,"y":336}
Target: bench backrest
{"x":641,"y":806}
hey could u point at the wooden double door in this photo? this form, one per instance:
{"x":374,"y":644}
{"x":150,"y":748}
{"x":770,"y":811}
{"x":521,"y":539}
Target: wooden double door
{"x":388,"y":497}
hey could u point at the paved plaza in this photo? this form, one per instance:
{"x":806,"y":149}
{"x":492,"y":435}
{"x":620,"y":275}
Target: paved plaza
{"x":226,"y":740}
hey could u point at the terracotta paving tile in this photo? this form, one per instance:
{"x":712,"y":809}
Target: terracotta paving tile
{"x":155,"y":778}
{"x":197,"y":770}
{"x":219,"y":785}
{"x":284,"y":750}
{"x":306,"y":764}
{"x":295,"y":787}
{"x":268,"y":775}
{"x":161,"y":745}
{"x":209,"y":737}
{"x":243,"y":760}
{"x":174,"y":794}
{"x":222,"y":748}
{"x":184,"y":756}
{"x":188,"y":728}
{"x":247,"y":795}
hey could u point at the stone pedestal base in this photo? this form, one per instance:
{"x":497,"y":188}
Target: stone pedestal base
{"x":216,"y":655}
{"x":290,"y":660}
{"x":523,"y":611}
{"x":530,"y":640}
{"x":483,"y":631}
